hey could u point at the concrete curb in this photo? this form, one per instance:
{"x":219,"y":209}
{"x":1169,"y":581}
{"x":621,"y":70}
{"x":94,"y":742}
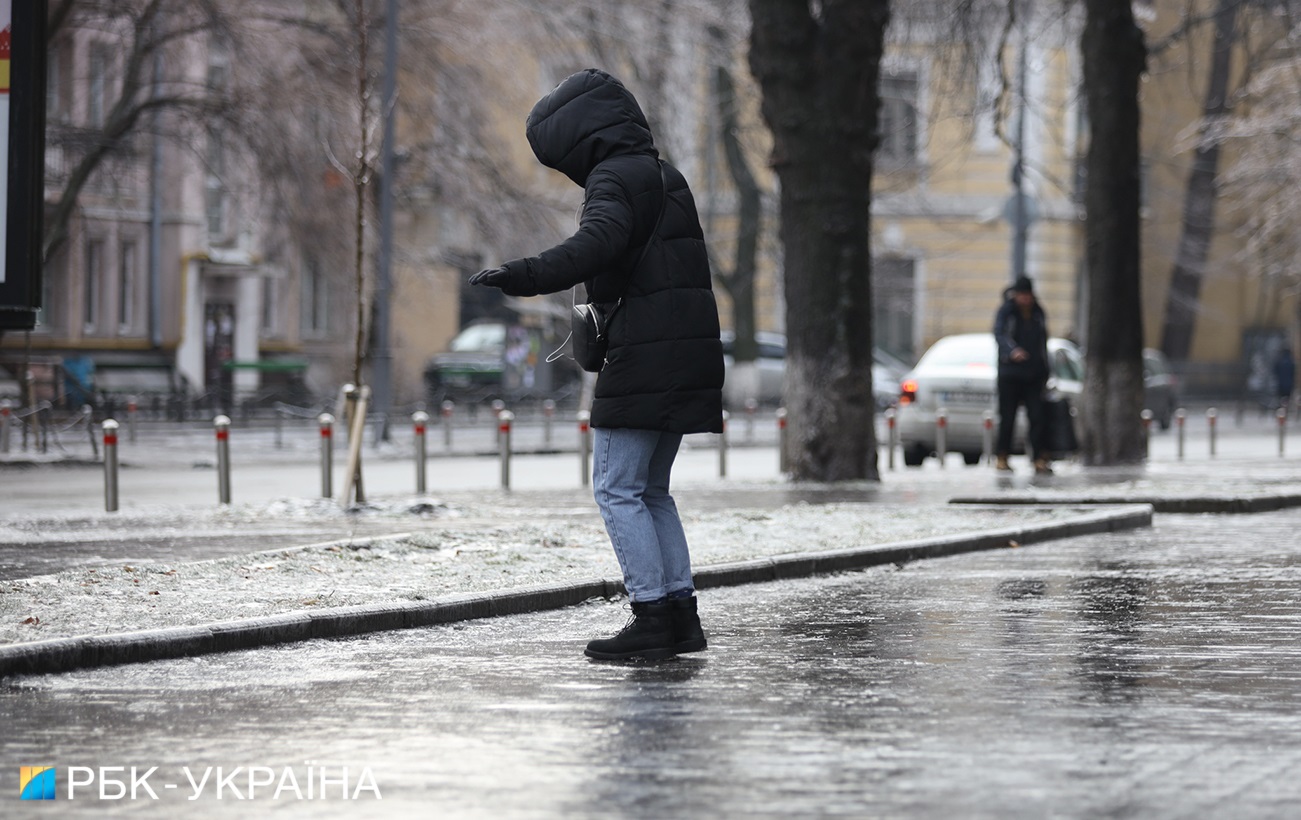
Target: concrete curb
{"x":1183,"y":504}
{"x":65,"y":654}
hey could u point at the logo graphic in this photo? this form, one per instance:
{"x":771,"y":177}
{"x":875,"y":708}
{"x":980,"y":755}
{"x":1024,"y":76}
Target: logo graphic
{"x":37,"y":782}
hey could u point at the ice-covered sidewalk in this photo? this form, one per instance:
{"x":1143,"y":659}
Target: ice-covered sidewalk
{"x":107,"y":588}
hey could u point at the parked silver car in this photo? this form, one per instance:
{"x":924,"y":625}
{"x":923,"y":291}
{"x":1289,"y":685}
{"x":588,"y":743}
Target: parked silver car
{"x":959,"y":375}
{"x":771,"y":364}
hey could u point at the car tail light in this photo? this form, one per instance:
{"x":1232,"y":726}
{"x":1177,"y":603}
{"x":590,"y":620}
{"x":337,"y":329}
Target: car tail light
{"x":908,"y":392}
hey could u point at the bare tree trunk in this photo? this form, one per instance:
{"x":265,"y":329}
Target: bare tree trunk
{"x":360,"y":181}
{"x":1114,"y":59}
{"x":818,"y":72}
{"x":1183,"y":298}
{"x":739,"y":281}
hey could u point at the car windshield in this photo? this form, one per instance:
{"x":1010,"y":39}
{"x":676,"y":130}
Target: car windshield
{"x":961,"y":352}
{"x":480,"y":338}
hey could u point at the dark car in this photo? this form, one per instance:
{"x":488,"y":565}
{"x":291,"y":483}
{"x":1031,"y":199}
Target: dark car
{"x":496,"y":360}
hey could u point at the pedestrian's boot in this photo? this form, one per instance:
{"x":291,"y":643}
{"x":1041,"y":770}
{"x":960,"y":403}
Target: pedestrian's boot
{"x":1041,"y":467}
{"x":687,"y":634}
{"x":1001,"y":465}
{"x":647,"y":635}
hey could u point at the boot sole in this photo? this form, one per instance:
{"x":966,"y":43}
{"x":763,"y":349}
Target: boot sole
{"x":663,"y":653}
{"x":691,"y":646}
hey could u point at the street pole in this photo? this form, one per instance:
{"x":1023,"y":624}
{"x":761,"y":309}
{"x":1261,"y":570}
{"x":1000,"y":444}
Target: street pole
{"x":1020,"y":219}
{"x":382,"y":358}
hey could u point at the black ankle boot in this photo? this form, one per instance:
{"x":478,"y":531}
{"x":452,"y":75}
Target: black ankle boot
{"x":687,"y":634}
{"x":648,"y":635}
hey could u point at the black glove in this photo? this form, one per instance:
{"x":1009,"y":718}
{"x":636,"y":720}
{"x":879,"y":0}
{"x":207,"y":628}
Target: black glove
{"x":492,"y":277}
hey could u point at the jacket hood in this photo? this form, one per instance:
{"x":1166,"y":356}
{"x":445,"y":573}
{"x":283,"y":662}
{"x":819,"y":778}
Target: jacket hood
{"x":584,"y":121}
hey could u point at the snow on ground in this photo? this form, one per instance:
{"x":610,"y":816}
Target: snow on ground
{"x":447,"y":549}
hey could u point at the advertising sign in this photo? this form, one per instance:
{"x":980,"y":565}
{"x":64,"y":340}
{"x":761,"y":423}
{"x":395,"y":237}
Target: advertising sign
{"x":22,"y":159}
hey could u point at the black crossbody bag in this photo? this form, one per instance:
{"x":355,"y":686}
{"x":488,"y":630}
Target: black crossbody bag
{"x":590,"y":321}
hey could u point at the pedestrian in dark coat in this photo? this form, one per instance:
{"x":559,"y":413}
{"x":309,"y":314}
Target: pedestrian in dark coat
{"x":663,"y":375}
{"x":1021,"y":330}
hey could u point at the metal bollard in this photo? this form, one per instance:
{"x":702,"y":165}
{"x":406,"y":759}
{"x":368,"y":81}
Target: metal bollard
{"x":585,"y":445}
{"x":782,"y":459}
{"x":987,"y":436}
{"x":419,"y":420}
{"x":1281,"y":415}
{"x":503,"y":439}
{"x":6,"y":418}
{"x":448,"y":407}
{"x":941,"y":434}
{"x":722,"y":447}
{"x":548,"y":410}
{"x":1181,"y":419}
{"x":131,"y":408}
{"x":1146,"y":416}
{"x":751,"y":407}
{"x":88,"y":413}
{"x":1211,"y":415}
{"x":890,"y":428}
{"x":222,"y":425}
{"x":110,"y":465}
{"x":280,"y":428}
{"x":498,"y":407}
{"x":327,"y":454}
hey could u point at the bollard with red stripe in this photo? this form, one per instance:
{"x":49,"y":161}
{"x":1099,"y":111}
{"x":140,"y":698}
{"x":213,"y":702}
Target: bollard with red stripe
{"x":1211,"y":415}
{"x":110,"y":465}
{"x":1181,"y":419}
{"x":326,"y":421}
{"x":420,"y":420}
{"x":1146,"y":416}
{"x":504,"y":420}
{"x":447,"y":409}
{"x":548,"y":410}
{"x":1281,"y":415}
{"x":222,"y":426}
{"x":987,"y":436}
{"x":131,"y":407}
{"x":783,"y":463}
{"x":585,"y":445}
{"x":722,"y":447}
{"x":6,"y":416}
{"x":941,"y":434}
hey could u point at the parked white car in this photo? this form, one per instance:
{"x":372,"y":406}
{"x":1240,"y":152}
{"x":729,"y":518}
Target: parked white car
{"x":959,"y":375}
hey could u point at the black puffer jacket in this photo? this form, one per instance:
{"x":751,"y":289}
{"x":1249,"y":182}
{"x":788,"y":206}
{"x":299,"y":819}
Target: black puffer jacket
{"x":664,"y":369}
{"x":1012,"y":330}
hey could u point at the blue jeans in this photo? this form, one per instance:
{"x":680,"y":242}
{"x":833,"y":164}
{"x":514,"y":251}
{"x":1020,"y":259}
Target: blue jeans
{"x":630,"y":478}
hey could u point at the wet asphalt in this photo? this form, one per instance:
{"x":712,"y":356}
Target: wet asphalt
{"x":1145,"y":674}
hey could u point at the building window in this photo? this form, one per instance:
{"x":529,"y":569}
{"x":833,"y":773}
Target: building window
{"x":894,"y":285}
{"x":898,"y":130}
{"x":316,"y":299}
{"x":93,"y":286}
{"x":215,"y":187}
{"x":53,"y":98}
{"x":97,"y":104}
{"x":127,"y":276}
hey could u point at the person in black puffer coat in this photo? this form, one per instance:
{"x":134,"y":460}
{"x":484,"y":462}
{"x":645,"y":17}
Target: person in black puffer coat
{"x":1021,"y":330}
{"x":663,"y":375}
